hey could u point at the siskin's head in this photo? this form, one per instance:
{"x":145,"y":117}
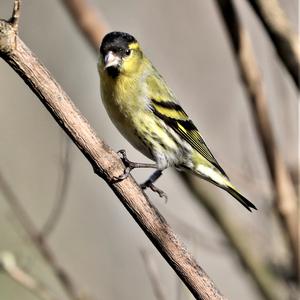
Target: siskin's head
{"x":120,"y":53}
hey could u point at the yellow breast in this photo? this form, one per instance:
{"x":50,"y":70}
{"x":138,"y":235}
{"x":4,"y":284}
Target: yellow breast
{"x":124,"y":103}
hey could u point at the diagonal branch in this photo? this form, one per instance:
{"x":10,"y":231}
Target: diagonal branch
{"x":105,"y":162}
{"x":62,"y":276}
{"x":80,"y":10}
{"x":285,"y":200}
{"x":284,"y":39}
{"x":90,"y":24}
{"x":8,"y":264}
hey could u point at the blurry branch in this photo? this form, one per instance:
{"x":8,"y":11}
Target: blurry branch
{"x":61,"y":196}
{"x":257,"y":185}
{"x":16,"y":207}
{"x":33,"y":234}
{"x":8,"y":264}
{"x":192,"y":234}
{"x":295,"y":172}
{"x":155,"y":278}
{"x":105,"y":163}
{"x":269,"y":286}
{"x":88,"y":19}
{"x":284,"y":39}
{"x":93,"y":34}
{"x":285,"y":198}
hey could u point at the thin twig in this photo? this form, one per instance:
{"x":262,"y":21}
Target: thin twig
{"x":284,"y":39}
{"x":8,"y":264}
{"x":14,"y":20}
{"x":61,"y":196}
{"x":13,"y":201}
{"x":154,"y":275}
{"x":105,"y":162}
{"x":285,"y":199}
{"x":39,"y":243}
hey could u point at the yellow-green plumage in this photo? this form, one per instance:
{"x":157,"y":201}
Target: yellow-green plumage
{"x":146,"y":112}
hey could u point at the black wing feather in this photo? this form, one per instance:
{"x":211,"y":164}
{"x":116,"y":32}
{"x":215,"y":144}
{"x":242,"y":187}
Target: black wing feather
{"x":185,"y":128}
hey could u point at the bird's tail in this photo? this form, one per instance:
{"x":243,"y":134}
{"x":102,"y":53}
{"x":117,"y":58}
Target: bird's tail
{"x":213,"y":175}
{"x":239,"y":197}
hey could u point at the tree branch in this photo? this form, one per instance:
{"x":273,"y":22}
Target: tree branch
{"x":105,"y":162}
{"x":22,"y":216}
{"x":284,"y":39}
{"x":268,"y":284}
{"x":14,"y":20}
{"x":285,"y":200}
{"x":9,"y":265}
{"x":90,"y":24}
{"x":61,"y":195}
{"x":152,"y":271}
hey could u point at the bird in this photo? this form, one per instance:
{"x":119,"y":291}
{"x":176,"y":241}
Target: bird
{"x":147,"y":113}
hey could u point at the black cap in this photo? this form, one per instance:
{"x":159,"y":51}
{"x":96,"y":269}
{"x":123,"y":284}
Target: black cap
{"x":116,"y":41}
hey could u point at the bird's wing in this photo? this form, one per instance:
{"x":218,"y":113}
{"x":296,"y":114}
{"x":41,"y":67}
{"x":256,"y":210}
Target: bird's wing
{"x":169,"y":111}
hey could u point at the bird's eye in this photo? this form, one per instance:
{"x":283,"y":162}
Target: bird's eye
{"x":127,"y":52}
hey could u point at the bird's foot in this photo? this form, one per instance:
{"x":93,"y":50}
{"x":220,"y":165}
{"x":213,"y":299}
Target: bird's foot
{"x":129,"y":166}
{"x":155,"y":189}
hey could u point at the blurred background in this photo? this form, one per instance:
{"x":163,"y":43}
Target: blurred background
{"x":92,"y":237}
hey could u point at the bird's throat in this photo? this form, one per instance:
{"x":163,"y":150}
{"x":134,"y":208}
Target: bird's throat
{"x":113,"y":71}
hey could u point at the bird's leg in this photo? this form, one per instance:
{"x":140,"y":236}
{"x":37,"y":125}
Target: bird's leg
{"x":130,"y":166}
{"x":149,"y":184}
{"x":151,"y":179}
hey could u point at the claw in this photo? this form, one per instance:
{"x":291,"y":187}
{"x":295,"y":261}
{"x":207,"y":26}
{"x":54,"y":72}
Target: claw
{"x":155,"y":189}
{"x":123,"y":176}
{"x":123,"y":155}
{"x":129,"y":166}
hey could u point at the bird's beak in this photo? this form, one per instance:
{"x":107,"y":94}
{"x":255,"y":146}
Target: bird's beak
{"x":111,"y":60}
